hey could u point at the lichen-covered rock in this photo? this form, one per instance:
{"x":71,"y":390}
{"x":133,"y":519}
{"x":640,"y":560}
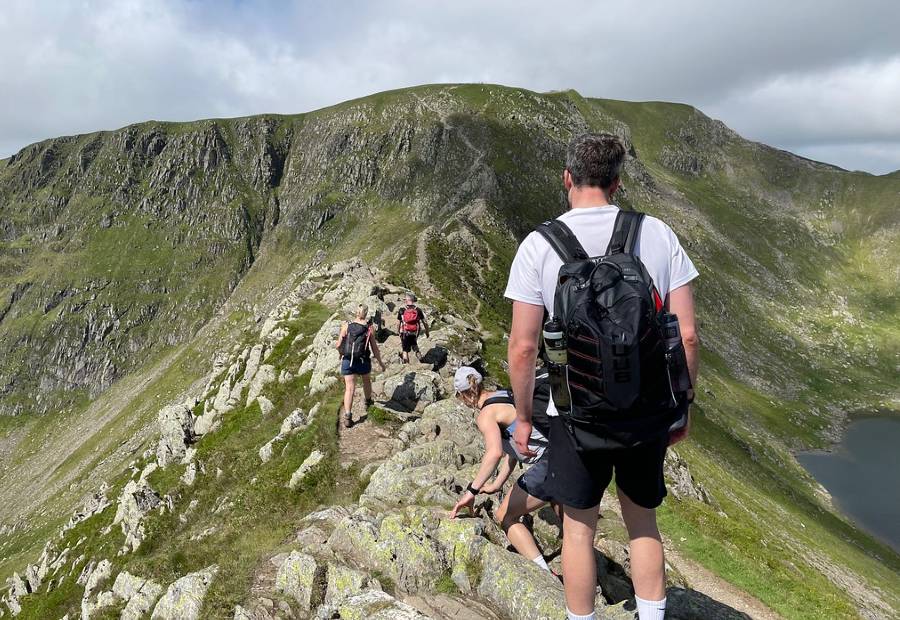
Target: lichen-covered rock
{"x":265,"y":405}
{"x":401,"y":546}
{"x":322,"y":359}
{"x":411,"y":476}
{"x":183,"y":599}
{"x":302,"y":578}
{"x":377,"y":605}
{"x":176,"y":430}
{"x":344,"y":582}
{"x":307,"y":466}
{"x":519,"y":588}
{"x":463,"y":542}
{"x":138,"y":593}
{"x":414,"y":390}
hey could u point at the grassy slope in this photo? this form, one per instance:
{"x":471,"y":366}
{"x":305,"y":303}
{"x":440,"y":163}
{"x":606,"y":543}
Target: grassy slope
{"x":743,"y":435}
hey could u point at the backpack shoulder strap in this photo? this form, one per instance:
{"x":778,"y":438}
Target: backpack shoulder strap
{"x":563,"y":241}
{"x":625,"y":232}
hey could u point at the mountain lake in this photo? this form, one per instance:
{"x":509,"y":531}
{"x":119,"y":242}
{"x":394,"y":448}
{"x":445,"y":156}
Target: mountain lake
{"x":862,"y":474}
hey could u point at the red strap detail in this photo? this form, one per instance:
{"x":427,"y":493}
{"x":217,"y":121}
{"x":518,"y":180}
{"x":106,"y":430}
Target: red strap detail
{"x":657,"y":300}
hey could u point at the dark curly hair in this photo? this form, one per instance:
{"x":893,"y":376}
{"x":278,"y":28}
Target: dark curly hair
{"x":594,"y":159}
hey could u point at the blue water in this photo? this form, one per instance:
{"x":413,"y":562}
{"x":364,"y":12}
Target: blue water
{"x":863,"y":475}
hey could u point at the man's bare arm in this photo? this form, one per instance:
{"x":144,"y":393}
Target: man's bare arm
{"x":522,"y":354}
{"x":681,"y":304}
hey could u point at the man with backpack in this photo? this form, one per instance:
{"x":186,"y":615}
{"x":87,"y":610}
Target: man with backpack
{"x":412,"y":320}
{"x":616,"y":285}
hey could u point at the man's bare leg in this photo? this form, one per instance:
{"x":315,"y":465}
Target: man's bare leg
{"x":648,"y":566}
{"x":578,"y":562}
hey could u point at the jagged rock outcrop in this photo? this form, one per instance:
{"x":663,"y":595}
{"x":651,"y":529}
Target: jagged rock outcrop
{"x":137,"y":593}
{"x":176,"y":430}
{"x":314,"y":458}
{"x":183,"y":599}
{"x":136,"y":500}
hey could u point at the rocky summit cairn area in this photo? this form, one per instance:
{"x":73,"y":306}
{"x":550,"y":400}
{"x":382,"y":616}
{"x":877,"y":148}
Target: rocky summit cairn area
{"x":388,"y":550}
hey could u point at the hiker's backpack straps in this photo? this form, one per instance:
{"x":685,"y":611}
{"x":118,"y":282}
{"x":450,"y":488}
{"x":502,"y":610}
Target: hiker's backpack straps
{"x":563,"y":241}
{"x":625,"y":232}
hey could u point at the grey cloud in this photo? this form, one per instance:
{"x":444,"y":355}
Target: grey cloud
{"x":808,"y":75}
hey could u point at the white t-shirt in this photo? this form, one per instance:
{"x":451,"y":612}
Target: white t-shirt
{"x":532,"y":277}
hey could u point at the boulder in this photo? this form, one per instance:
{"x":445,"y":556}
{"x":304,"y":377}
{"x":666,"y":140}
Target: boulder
{"x":136,"y":500}
{"x":519,"y":588}
{"x":463,"y":542}
{"x":322,"y":359}
{"x":376,"y":605}
{"x":264,"y":376}
{"x":681,"y":482}
{"x":265,"y":405}
{"x":301,"y":578}
{"x":401,"y":546}
{"x":344,"y":582}
{"x":183,"y":599}
{"x":414,"y":390}
{"x":295,"y":420}
{"x":138,"y":593}
{"x":176,"y":430}
{"x":422,"y":472}
{"x":307,"y":466}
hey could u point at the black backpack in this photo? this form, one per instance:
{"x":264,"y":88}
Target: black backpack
{"x":540,"y":401}
{"x":619,"y":375}
{"x":356,"y":342}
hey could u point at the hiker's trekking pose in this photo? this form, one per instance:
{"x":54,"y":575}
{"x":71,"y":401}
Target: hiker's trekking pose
{"x":357,"y":344}
{"x":412,"y":320}
{"x":616,"y":286}
{"x":496,"y":420}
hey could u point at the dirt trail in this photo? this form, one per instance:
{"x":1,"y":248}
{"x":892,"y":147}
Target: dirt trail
{"x":702,"y":580}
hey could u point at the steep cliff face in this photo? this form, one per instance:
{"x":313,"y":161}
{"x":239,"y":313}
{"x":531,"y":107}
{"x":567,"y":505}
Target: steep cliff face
{"x":132,"y":261}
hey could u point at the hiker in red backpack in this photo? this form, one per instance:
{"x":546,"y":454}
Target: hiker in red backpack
{"x":412,"y":320}
{"x":356,"y":343}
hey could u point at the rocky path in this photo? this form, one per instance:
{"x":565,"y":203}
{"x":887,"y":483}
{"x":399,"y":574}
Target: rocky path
{"x":391,"y":555}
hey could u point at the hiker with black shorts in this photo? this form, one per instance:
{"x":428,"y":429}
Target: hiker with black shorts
{"x":356,"y":342}
{"x":616,"y":287}
{"x":411,"y":321}
{"x":497,"y":420}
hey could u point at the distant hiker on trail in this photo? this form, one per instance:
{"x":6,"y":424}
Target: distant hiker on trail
{"x":357,"y":343}
{"x":412,"y":320}
{"x":621,"y":373}
{"x":496,"y":420}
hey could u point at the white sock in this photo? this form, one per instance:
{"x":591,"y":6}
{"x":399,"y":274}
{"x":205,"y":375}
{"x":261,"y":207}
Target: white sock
{"x":540,"y":561}
{"x":571,"y":616}
{"x":650,"y":610}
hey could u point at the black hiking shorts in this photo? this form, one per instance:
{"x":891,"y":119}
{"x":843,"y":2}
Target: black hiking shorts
{"x":409,"y":342}
{"x":578,"y":479}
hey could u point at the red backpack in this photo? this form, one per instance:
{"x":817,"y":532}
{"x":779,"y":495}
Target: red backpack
{"x":411,"y":320}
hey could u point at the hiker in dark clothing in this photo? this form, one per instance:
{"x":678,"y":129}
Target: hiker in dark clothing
{"x":623,"y":347}
{"x":357,"y":344}
{"x":411,"y":321}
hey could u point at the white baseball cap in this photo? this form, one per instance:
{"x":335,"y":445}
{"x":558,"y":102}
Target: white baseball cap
{"x":461,"y":378}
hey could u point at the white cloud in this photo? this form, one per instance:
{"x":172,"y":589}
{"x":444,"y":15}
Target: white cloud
{"x":809,"y":75}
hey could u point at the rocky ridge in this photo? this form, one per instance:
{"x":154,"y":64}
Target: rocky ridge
{"x":393,"y":553}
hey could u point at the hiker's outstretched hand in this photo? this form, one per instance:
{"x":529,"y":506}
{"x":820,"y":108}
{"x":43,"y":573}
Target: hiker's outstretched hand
{"x":521,"y":436}
{"x":466,"y":500}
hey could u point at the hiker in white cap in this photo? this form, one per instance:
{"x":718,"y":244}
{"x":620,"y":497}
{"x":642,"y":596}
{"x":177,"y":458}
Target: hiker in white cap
{"x":496,"y":420}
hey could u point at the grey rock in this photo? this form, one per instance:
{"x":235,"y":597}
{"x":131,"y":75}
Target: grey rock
{"x":377,"y":605}
{"x":414,"y":390}
{"x":183,"y":599}
{"x":302,"y":578}
{"x":308,"y":464}
{"x":264,"y":376}
{"x":176,"y":429}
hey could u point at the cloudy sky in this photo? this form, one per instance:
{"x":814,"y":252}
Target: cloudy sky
{"x":817,"y":77}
